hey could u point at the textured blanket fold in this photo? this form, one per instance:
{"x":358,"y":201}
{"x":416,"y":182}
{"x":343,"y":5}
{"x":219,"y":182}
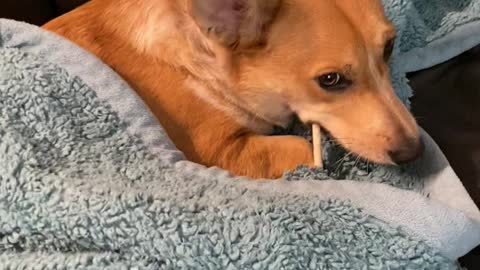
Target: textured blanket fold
{"x":89,"y":180}
{"x":430,"y":32}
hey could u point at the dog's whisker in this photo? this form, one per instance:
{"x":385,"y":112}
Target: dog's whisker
{"x":356,"y":161}
{"x":343,"y":158}
{"x":342,"y":161}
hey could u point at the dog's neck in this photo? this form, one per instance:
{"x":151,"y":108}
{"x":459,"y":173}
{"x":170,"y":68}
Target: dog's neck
{"x":164,"y":30}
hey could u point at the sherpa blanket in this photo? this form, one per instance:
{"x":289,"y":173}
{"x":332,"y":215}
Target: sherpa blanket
{"x":89,"y":179}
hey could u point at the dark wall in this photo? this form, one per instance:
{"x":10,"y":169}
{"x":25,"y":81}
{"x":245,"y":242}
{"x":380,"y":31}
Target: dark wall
{"x":36,"y":11}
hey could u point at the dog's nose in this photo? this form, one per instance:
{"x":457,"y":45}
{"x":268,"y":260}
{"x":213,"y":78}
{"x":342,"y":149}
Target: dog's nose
{"x":409,"y":150}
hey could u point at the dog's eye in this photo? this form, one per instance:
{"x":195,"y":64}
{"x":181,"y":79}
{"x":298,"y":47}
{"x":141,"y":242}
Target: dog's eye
{"x":388,"y":50}
{"x":333,"y":81}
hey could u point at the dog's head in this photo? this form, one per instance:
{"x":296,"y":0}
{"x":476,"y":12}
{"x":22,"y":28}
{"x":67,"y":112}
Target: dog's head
{"x":323,"y":60}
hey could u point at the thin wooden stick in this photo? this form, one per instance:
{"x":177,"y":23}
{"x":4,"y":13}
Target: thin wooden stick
{"x":317,"y":146}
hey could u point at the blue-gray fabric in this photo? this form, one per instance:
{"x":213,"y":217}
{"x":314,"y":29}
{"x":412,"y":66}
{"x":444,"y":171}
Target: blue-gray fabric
{"x":89,"y":180}
{"x":430,"y":32}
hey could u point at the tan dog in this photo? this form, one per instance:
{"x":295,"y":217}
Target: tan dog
{"x":219,"y":74}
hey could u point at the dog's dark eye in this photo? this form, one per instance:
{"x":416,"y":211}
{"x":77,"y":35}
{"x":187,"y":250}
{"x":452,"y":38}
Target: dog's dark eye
{"x":387,"y":52}
{"x":333,"y":81}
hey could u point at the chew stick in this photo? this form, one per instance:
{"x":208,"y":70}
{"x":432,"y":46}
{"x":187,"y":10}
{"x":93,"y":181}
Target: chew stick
{"x":317,"y":145}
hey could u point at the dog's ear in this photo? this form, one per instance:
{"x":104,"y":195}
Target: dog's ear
{"x":235,"y":23}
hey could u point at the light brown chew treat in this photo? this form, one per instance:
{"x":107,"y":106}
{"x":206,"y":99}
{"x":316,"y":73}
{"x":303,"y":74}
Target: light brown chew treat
{"x":317,"y":145}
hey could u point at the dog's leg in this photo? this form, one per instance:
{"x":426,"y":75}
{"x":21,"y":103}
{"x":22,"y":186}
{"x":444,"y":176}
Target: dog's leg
{"x":268,"y":157}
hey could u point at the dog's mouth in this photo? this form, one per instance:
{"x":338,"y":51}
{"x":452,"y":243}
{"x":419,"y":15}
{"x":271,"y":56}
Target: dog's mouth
{"x":333,"y":150}
{"x":329,"y":141}
{"x":295,"y":127}
{"x":338,"y":160}
{"x":299,"y":128}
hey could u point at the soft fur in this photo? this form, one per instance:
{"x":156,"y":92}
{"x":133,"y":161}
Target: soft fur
{"x":229,"y":71}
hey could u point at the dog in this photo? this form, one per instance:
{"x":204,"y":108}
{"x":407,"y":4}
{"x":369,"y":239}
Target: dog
{"x":221,"y":74}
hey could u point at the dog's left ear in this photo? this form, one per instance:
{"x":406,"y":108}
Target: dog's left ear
{"x":236,"y":24}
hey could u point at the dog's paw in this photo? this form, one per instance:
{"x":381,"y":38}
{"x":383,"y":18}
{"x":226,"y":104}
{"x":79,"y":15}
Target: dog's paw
{"x":289,"y":152}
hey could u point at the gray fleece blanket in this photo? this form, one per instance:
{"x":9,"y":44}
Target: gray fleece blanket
{"x":90,"y":180}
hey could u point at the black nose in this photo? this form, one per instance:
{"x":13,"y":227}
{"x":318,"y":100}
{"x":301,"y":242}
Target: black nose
{"x":408,"y":151}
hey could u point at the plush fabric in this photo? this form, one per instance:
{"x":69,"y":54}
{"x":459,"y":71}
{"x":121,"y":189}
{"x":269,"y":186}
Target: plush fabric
{"x":430,"y":32}
{"x":88,"y":179}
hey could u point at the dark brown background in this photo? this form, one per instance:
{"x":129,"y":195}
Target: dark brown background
{"x":446,"y":102}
